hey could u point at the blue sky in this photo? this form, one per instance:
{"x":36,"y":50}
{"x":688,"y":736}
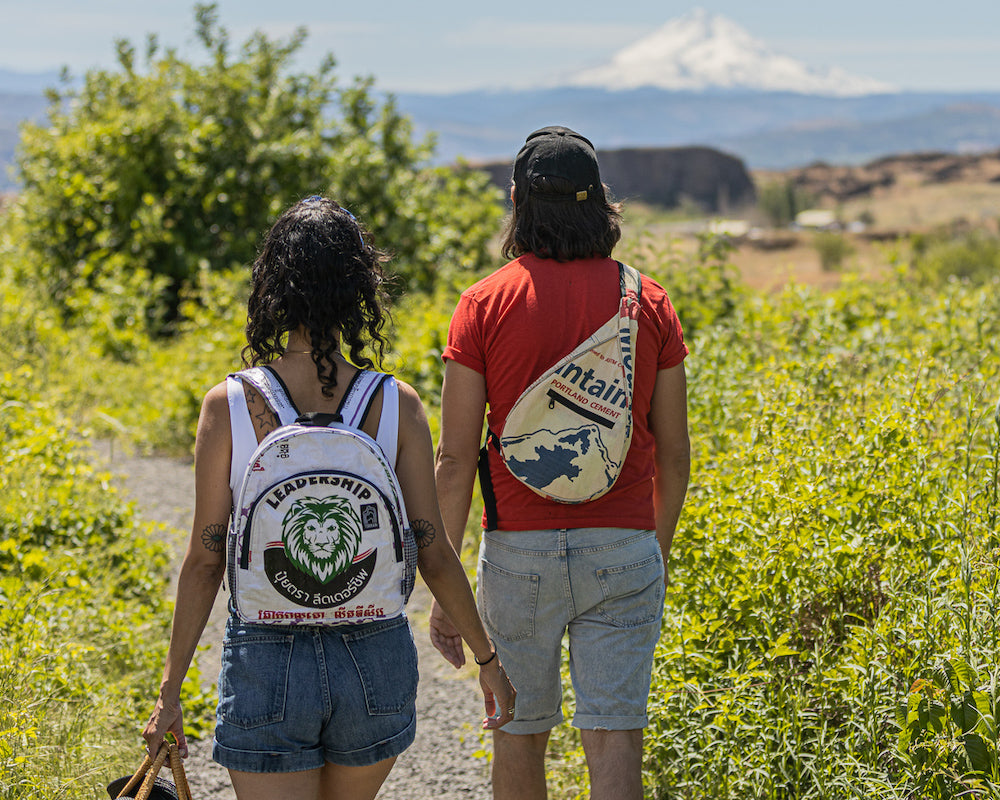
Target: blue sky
{"x":448,"y":45}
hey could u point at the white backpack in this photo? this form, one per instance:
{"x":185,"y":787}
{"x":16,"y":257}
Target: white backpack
{"x":567,"y":435}
{"x":319,"y":534}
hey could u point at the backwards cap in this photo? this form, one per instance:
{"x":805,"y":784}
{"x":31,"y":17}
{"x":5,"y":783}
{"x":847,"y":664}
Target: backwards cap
{"x":558,"y":152}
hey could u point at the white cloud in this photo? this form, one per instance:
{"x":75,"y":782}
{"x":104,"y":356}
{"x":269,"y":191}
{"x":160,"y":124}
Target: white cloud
{"x":577,"y":37}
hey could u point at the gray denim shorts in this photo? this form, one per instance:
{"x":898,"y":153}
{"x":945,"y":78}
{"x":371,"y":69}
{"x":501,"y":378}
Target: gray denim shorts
{"x":604,"y":586}
{"x":292,"y":698}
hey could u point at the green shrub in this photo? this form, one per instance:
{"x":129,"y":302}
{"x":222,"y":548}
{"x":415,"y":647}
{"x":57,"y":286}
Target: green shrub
{"x":704,"y":288}
{"x":146,"y":174}
{"x":84,"y":616}
{"x":973,"y":257}
{"x":833,"y":249}
{"x":781,"y":200}
{"x":844,"y":480}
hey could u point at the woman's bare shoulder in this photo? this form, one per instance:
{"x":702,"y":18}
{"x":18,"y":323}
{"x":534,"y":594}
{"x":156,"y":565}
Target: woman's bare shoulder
{"x":412,"y":415}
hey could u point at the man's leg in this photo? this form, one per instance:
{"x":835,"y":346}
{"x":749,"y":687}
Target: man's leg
{"x":519,"y":766}
{"x":614,"y":761}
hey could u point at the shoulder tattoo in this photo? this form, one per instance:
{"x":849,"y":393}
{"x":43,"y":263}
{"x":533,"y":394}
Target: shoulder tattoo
{"x":263,"y":416}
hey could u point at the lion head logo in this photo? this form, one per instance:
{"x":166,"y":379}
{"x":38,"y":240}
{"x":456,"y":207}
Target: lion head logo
{"x":321,"y":537}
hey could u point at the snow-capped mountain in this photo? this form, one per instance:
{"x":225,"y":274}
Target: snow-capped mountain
{"x":706,"y":51}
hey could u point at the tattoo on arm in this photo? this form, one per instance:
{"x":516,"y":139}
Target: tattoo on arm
{"x":423,"y":532}
{"x":214,"y":537}
{"x":263,"y":416}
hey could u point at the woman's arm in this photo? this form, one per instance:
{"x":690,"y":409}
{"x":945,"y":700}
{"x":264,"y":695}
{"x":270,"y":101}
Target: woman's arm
{"x":437,"y":560}
{"x":203,"y":566}
{"x":463,"y":404}
{"x":668,"y":421}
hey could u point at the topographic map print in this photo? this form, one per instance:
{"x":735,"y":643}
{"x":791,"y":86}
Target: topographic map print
{"x":544,"y":457}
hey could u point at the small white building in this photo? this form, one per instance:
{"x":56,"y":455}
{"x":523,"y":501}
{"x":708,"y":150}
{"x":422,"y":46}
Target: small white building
{"x":817,"y":219}
{"x":733,"y":228}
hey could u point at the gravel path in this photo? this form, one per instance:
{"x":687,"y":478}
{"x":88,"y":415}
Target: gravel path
{"x":440,"y":765}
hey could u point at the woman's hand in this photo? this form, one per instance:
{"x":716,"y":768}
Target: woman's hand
{"x":498,"y":692}
{"x":167,"y":717}
{"x":445,"y":637}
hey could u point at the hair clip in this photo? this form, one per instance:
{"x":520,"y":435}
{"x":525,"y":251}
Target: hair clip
{"x":354,"y":219}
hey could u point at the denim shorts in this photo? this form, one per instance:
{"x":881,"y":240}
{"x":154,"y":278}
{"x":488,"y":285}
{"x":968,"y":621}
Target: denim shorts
{"x":292,"y":698}
{"x":604,"y":586}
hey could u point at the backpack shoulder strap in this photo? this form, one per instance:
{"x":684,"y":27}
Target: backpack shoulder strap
{"x":388,"y":424}
{"x":358,"y":397}
{"x":358,"y":401}
{"x":266,"y":381}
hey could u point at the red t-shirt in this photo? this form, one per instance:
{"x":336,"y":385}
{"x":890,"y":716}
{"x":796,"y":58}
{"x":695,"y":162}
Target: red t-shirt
{"x":516,"y":323}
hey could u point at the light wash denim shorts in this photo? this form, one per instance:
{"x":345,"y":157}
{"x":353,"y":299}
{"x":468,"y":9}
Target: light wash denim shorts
{"x":292,"y":698}
{"x":604,"y":586}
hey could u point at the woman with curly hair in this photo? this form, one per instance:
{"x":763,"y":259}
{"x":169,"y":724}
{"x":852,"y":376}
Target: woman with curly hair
{"x":316,"y":291}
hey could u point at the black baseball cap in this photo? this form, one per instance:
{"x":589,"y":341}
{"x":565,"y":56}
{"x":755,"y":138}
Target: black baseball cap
{"x":558,"y":152}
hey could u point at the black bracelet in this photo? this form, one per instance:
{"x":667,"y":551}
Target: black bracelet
{"x":487,"y":661}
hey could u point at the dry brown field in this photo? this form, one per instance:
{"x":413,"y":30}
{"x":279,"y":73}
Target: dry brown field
{"x":912,"y":204}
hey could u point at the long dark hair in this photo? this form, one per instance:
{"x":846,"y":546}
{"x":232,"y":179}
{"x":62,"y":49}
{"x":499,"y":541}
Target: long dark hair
{"x":548,"y":222}
{"x":318,"y":269}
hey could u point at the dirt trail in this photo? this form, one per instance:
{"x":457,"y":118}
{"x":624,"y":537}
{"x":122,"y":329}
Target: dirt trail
{"x":440,"y":765}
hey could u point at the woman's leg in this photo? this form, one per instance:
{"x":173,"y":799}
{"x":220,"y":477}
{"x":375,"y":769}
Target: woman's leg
{"x":353,"y":783}
{"x":270,"y":785}
{"x":329,"y":782}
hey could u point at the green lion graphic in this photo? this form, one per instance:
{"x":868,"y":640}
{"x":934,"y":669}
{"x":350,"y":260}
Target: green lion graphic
{"x":321,"y":537}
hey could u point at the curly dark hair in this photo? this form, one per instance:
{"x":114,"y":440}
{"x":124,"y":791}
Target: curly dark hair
{"x":317,"y":269}
{"x":546,"y":221}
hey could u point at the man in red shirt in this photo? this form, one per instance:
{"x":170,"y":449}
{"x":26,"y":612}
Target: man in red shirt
{"x":594,"y":570}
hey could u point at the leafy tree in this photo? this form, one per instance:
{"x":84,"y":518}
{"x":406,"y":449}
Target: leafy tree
{"x":781,"y":200}
{"x":142,"y":178}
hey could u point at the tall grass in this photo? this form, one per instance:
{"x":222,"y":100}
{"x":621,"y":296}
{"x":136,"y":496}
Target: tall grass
{"x":837,"y":547}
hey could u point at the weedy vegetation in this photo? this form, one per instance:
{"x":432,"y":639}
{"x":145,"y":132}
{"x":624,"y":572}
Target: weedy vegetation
{"x":831,"y":626}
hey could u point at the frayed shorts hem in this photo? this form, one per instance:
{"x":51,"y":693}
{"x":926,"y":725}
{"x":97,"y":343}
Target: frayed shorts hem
{"x":590,"y":722}
{"x":314,"y":758}
{"x":525,"y":727}
{"x":255,"y":761}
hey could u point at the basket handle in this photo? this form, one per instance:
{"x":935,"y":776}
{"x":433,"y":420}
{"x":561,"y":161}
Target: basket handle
{"x":150,"y":768}
{"x":137,"y":775}
{"x":177,"y":768}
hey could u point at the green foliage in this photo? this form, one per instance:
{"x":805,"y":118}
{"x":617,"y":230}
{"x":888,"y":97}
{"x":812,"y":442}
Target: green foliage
{"x":780,"y":201}
{"x":83,"y":612}
{"x":972,"y":256}
{"x":420,"y":333}
{"x":704,"y":289}
{"x":837,"y":544}
{"x":145,"y":176}
{"x":833,"y":248}
{"x":948,"y":729}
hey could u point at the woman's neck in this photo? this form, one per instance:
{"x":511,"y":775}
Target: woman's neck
{"x":300,"y":344}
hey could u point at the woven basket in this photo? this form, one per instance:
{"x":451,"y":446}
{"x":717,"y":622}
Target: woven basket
{"x":150,"y":785}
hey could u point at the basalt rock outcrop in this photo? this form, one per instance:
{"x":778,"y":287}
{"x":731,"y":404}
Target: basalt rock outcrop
{"x":670,"y":177}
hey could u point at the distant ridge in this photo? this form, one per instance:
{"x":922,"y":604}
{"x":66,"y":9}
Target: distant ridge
{"x":768,"y":130}
{"x":701,"y":51}
{"x":699,"y":80}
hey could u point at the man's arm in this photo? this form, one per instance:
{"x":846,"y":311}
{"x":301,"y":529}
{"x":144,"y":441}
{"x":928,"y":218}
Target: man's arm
{"x":463,"y":404}
{"x":668,"y":421}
